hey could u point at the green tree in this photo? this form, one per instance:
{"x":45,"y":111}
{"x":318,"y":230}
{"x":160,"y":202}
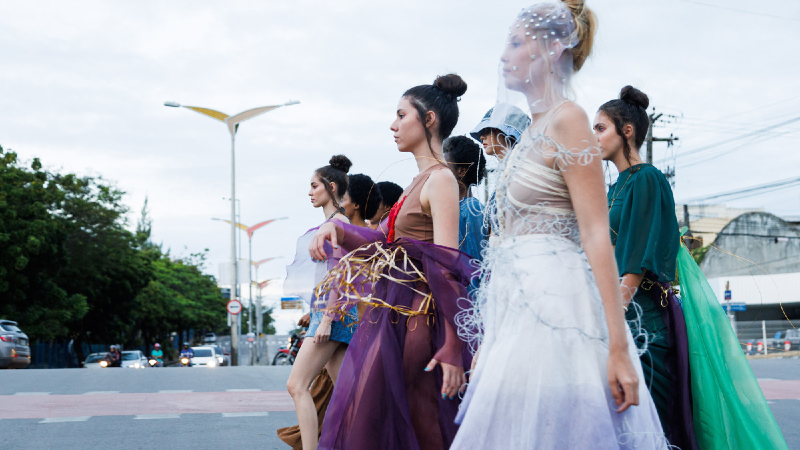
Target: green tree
{"x":31,"y":251}
{"x":267,"y":324}
{"x":103,"y":262}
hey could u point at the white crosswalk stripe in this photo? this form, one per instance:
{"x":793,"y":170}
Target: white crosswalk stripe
{"x":157,"y":416}
{"x":246,"y":414}
{"x":65,"y":419}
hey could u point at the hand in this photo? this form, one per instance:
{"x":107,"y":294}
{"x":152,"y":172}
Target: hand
{"x":304,"y":321}
{"x":474,"y":362}
{"x":622,"y":379}
{"x":323,"y":333}
{"x":452,"y":378}
{"x":326,"y":232}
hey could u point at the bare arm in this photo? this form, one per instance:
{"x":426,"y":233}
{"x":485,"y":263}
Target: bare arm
{"x":439,"y":196}
{"x":586,"y":188}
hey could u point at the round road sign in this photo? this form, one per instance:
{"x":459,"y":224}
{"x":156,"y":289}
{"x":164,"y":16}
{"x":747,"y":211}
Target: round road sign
{"x":234,"y":307}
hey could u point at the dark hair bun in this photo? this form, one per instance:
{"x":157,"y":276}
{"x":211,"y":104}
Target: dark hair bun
{"x":451,"y":84}
{"x":341,"y":162}
{"x":634,"y":96}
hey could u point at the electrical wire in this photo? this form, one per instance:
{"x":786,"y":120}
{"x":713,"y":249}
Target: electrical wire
{"x":750,"y":191}
{"x":733,"y":139}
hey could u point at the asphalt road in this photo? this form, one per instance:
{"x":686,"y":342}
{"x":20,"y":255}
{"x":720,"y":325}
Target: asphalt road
{"x":211,"y":408}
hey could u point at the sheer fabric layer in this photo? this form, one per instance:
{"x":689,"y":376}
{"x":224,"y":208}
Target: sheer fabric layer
{"x":383,"y":397}
{"x":541,"y":379}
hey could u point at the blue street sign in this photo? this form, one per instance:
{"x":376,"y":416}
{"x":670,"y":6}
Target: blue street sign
{"x":735,"y":307}
{"x":727,"y":295}
{"x":226,"y":293}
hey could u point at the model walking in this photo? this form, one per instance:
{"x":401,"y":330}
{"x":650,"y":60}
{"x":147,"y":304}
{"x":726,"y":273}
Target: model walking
{"x":555,"y":369}
{"x":401,"y":375}
{"x":327,"y":336}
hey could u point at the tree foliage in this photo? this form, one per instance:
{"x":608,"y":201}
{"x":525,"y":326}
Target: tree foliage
{"x":69,"y":267}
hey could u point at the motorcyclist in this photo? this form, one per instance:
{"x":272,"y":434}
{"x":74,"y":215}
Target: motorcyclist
{"x":114,"y":357}
{"x":187,"y":352}
{"x":157,"y":354}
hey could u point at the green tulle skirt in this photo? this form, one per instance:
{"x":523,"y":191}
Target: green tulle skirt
{"x":730,"y":411}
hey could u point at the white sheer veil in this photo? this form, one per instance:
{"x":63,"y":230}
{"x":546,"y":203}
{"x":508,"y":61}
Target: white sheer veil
{"x":536,"y":65}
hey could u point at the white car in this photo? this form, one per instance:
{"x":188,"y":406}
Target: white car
{"x":134,"y":359}
{"x":206,"y":356}
{"x":93,"y":360}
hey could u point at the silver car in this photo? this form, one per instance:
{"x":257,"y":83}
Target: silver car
{"x":134,"y":359}
{"x":14,"y":350}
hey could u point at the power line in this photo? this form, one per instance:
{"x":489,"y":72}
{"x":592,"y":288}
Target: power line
{"x":753,"y":190}
{"x":733,"y":139}
{"x":741,"y":10}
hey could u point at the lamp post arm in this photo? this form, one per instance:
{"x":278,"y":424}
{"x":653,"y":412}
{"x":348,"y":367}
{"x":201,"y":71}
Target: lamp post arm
{"x":255,"y":227}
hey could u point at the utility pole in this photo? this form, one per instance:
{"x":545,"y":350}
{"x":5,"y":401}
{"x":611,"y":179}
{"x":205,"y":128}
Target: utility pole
{"x":649,"y":139}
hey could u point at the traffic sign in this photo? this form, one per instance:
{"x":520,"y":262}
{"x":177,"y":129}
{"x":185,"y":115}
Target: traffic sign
{"x":234,"y":307}
{"x":727,"y":295}
{"x":736,"y":307}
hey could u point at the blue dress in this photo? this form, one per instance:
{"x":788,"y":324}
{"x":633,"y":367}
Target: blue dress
{"x":472,"y":232}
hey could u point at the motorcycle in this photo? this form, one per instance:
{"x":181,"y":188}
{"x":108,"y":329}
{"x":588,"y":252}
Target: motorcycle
{"x":153,"y":362}
{"x":186,"y":361}
{"x":286,"y":355}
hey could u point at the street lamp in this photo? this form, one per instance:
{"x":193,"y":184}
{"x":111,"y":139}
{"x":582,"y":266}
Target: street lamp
{"x":232,"y":123}
{"x":250,"y":231}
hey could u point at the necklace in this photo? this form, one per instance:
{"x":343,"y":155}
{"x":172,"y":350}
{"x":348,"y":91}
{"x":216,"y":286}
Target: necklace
{"x":340,"y":210}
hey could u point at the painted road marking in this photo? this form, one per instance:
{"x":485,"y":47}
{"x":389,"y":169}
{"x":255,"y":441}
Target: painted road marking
{"x":100,"y":392}
{"x":242,"y":390}
{"x":174,"y":391}
{"x":129,"y":404}
{"x":157,"y":416}
{"x":246,"y":414}
{"x":65,"y":419}
{"x":32,"y":393}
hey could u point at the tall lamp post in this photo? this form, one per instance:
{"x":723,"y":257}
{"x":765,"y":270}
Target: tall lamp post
{"x":232,"y":123}
{"x":250,"y":231}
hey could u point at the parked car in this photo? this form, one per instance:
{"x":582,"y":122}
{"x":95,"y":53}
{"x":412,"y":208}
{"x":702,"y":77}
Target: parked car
{"x":93,"y":360}
{"x":134,"y":359}
{"x":779,"y":340}
{"x":14,"y":350}
{"x":204,"y":356}
{"x":210,"y":338}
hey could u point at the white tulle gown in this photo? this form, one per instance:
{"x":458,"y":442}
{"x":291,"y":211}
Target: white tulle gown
{"x":541,"y":380}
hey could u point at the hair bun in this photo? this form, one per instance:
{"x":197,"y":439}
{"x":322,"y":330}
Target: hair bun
{"x":341,"y":162}
{"x":451,"y":84}
{"x":634,"y":96}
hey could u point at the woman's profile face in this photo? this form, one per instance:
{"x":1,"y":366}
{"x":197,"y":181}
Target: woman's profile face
{"x":494,"y":142}
{"x":348,"y":205}
{"x":521,"y":61}
{"x":407,"y":127}
{"x":319,"y":195}
{"x":607,"y":138}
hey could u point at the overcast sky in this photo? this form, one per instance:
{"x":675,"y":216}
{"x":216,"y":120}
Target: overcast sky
{"x":82,"y":87}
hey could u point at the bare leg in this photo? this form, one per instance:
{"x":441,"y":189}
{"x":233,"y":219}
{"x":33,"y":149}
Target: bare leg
{"x":335,"y":363}
{"x":310,"y":361}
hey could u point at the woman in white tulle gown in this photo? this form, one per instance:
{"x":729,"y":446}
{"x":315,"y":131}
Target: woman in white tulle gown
{"x":555,"y":366}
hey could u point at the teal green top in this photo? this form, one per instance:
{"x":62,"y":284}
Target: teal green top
{"x":644,"y":228}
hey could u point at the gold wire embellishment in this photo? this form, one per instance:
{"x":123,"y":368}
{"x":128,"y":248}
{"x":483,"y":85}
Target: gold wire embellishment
{"x":345,"y":284}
